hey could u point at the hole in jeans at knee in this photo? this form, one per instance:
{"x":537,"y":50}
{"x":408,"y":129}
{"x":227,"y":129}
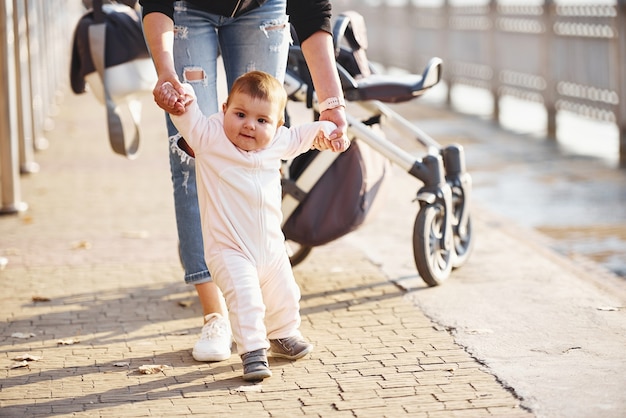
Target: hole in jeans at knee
{"x":195,"y":75}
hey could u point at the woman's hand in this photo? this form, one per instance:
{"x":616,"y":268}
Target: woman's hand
{"x":337,"y":137}
{"x":169,"y":95}
{"x":332,"y":141}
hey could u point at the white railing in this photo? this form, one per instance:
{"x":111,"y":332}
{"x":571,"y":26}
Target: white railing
{"x":566,"y":57}
{"x":35,"y":48}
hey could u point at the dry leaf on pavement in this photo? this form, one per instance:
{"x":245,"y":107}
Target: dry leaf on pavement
{"x":27,"y":357}
{"x":22,"y":335}
{"x":68,"y":341}
{"x":152,"y":368}
{"x":23,"y":363}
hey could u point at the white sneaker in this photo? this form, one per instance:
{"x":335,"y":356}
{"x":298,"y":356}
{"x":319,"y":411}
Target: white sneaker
{"x":216,"y":339}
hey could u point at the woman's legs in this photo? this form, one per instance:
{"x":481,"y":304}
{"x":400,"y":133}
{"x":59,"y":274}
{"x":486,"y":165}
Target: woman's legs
{"x":210,"y":299}
{"x":258,"y":40}
{"x":195,"y":56}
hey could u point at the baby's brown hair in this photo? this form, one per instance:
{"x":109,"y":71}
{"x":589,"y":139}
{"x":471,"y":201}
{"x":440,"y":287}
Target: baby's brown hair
{"x":264,"y":86}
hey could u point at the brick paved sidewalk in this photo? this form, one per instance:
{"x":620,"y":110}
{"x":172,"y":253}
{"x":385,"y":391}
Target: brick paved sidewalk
{"x":376,"y":354}
{"x":99,"y":242}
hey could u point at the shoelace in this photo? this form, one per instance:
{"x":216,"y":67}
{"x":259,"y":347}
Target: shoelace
{"x":218,"y":327}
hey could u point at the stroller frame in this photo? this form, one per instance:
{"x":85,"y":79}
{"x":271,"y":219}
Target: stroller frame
{"x":442,"y":233}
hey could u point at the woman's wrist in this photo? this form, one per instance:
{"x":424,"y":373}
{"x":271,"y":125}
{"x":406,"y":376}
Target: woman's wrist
{"x":332,"y":103}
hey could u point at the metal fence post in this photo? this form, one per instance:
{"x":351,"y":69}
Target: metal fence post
{"x":445,"y":34}
{"x":549,"y":94}
{"x":9,"y":171}
{"x":35,"y":23}
{"x":24,"y":103}
{"x":621,"y":56}
{"x":494,"y":61}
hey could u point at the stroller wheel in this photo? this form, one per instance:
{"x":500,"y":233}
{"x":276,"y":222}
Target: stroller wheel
{"x":433,"y":262}
{"x":297,"y":252}
{"x":463,"y":245}
{"x":463,"y":238}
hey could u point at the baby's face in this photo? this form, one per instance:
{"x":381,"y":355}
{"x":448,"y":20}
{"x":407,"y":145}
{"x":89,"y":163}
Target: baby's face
{"x":250,"y":123}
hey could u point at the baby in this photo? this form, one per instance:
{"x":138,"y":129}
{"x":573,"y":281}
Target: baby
{"x":238,"y":155}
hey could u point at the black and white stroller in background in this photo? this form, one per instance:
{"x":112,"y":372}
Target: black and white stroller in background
{"x":318,"y":208}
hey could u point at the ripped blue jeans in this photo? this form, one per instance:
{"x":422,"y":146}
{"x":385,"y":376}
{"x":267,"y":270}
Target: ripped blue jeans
{"x":257,"y":40}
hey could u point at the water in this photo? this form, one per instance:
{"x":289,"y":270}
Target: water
{"x":571,"y":190}
{"x":576,"y":134}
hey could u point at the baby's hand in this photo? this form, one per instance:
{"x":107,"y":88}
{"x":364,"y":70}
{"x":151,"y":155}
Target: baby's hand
{"x":322,"y":142}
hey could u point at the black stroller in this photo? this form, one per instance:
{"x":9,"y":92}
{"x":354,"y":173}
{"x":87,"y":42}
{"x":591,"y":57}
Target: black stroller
{"x":318,"y":209}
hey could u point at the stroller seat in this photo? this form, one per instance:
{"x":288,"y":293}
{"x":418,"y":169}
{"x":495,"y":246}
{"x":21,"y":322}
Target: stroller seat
{"x":359,"y":80}
{"x":388,"y":88}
